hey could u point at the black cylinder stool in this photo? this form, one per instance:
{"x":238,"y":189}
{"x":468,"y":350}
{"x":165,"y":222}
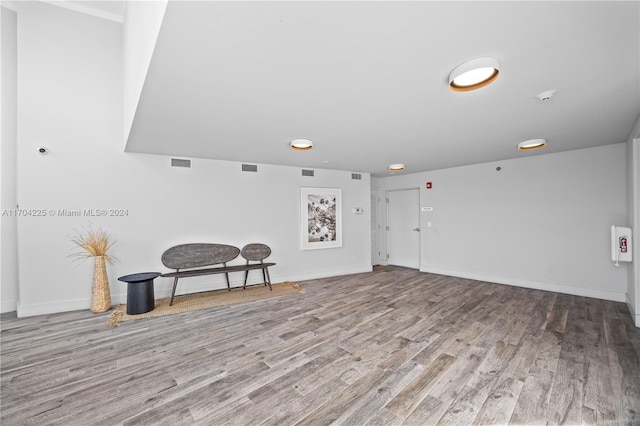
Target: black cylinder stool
{"x":140,"y":297}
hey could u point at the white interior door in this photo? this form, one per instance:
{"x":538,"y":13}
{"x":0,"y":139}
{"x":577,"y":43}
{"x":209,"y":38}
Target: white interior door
{"x":375,"y":253}
{"x":403,"y":234}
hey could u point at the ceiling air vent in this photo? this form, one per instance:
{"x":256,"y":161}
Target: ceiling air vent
{"x":176,"y":162}
{"x":356,"y":176}
{"x":306,"y":172}
{"x":249,"y":167}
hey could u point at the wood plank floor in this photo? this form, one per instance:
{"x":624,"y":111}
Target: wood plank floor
{"x":391,"y":347}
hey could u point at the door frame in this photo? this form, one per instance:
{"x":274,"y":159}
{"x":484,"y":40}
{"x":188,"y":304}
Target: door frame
{"x":386,"y":196}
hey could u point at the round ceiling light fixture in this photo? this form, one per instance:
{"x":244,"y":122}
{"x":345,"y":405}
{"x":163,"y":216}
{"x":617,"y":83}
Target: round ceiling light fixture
{"x":302,"y":144}
{"x":396,"y":167}
{"x":474,"y":74}
{"x":532,"y":144}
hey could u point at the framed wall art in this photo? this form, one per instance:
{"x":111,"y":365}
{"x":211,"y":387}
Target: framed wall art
{"x":321,"y":213}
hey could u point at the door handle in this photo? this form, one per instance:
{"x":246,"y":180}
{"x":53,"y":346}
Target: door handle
{"x":416,"y":229}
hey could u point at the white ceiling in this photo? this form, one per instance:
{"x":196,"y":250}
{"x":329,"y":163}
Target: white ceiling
{"x":110,"y":6}
{"x":112,"y":10}
{"x":367,"y":81}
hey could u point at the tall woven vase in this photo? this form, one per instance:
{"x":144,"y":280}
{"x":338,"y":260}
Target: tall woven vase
{"x":100,"y":293}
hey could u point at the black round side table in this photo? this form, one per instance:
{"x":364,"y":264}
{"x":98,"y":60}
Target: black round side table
{"x":140,"y":297}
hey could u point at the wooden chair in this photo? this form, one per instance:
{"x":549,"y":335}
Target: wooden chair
{"x":257,"y":252}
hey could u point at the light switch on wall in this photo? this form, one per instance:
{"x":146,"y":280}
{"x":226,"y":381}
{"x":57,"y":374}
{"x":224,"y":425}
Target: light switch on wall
{"x":358,"y":210}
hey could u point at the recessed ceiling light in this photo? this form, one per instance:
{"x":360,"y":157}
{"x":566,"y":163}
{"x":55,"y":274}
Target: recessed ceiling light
{"x":532,"y":144}
{"x":302,"y":144}
{"x":474,"y":74}
{"x":396,"y":167}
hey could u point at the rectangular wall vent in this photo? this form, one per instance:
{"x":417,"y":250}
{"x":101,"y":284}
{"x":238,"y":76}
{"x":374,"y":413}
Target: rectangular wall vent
{"x":176,"y":162}
{"x":249,"y":167}
{"x":306,"y":172}
{"x":356,"y":176}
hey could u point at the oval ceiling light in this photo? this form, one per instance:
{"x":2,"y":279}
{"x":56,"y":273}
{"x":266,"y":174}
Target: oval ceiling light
{"x":396,"y":167}
{"x":302,"y":144}
{"x":532,"y":144}
{"x":474,"y":74}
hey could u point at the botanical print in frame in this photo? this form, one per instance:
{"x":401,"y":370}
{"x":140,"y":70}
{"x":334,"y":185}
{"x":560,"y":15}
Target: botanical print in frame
{"x":321,"y":212}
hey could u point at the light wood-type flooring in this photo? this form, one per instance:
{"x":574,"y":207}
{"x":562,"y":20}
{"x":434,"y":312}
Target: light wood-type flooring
{"x":391,"y":347}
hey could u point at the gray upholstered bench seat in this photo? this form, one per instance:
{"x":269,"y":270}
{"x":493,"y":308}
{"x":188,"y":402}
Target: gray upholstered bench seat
{"x":196,"y":259}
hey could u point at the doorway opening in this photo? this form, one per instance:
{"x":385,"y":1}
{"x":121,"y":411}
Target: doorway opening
{"x":403,"y":230}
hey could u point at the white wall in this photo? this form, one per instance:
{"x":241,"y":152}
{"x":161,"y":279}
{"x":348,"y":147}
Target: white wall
{"x":633,"y":195}
{"x":541,"y":222}
{"x":142,"y":22}
{"x":8,"y":228}
{"x":70,"y":90}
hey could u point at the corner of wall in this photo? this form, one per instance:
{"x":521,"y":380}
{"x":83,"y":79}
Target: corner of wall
{"x":8,"y":306}
{"x":635,"y":316}
{"x":142,"y":23}
{"x":633,"y":290}
{"x":8,"y":159}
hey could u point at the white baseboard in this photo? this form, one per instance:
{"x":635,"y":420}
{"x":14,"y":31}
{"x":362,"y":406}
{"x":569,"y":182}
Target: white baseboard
{"x":186,"y":286}
{"x":8,"y":306}
{"x":162,"y":289}
{"x":80,"y":304}
{"x":52,"y":307}
{"x":323,"y":274}
{"x":616,"y":296}
{"x":62,"y":306}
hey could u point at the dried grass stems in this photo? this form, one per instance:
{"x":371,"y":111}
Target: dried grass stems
{"x":93,"y":242}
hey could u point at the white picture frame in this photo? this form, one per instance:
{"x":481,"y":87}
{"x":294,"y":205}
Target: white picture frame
{"x":321,"y":218}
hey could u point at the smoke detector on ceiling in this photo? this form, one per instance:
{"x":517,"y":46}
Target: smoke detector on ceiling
{"x":546,"y":95}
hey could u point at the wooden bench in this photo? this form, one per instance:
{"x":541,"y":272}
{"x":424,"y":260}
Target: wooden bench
{"x":196,"y":259}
